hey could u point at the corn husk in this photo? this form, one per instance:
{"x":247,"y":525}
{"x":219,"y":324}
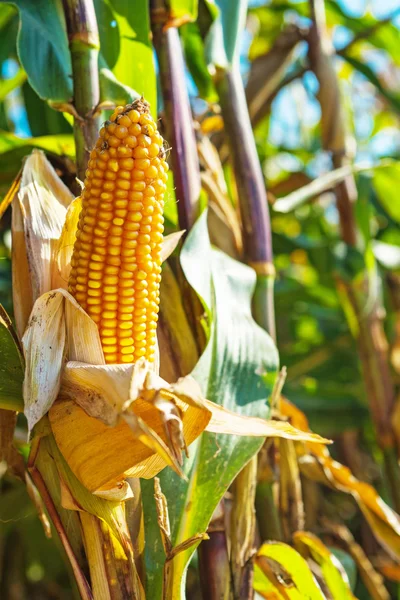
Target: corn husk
{"x":39,"y":210}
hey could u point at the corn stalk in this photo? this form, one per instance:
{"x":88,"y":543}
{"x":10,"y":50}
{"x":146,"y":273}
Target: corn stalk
{"x":257,"y":246}
{"x":84,"y":46}
{"x":185,"y":162}
{"x":370,"y":336}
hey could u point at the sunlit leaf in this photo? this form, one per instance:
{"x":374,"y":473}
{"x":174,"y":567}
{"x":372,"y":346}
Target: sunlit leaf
{"x":279,"y":568}
{"x":386,"y":181}
{"x":229,"y":372}
{"x":135,"y":66}
{"x":11,"y":365}
{"x":223,"y":40}
{"x":310,"y":547}
{"x":43,"y":48}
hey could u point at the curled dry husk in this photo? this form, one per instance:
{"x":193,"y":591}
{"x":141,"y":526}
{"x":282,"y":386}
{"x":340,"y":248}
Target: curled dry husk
{"x":110,"y":422}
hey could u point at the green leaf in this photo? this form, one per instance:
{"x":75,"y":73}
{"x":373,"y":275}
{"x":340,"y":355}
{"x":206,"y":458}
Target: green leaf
{"x":134,"y":67}
{"x":183,"y":10}
{"x":387,"y":255}
{"x":113,"y":90}
{"x":225,"y":35}
{"x":43,"y":120}
{"x":59,"y":144}
{"x":230,"y":373}
{"x":386,"y":182}
{"x":43,"y":48}
{"x":193,"y":46}
{"x":11,"y":366}
{"x":281,"y":570}
{"x":347,"y":563}
{"x":311,"y":548}
{"x":8,"y":85}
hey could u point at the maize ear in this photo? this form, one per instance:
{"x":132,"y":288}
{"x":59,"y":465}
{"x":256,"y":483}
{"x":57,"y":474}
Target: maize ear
{"x":116,"y":262}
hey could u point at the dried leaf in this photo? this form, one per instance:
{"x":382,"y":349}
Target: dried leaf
{"x":44,"y":348}
{"x":226,"y":421}
{"x":290,"y":492}
{"x":65,"y":245}
{"x":169,"y":244}
{"x":316,"y":464}
{"x":57,"y":326}
{"x":162,"y":516}
{"x":138,"y":444}
{"x":40,"y":205}
{"x":373,"y":581}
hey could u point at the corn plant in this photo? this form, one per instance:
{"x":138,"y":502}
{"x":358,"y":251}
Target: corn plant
{"x":158,"y":249}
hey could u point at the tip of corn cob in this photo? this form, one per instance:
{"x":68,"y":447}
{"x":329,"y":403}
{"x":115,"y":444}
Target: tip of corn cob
{"x":116,"y":262}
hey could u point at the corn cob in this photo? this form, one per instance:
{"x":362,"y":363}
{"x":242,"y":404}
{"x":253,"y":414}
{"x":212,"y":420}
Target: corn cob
{"x":116,"y":263}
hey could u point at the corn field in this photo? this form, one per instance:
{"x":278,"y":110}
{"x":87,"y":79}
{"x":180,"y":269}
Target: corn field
{"x":199,"y":300}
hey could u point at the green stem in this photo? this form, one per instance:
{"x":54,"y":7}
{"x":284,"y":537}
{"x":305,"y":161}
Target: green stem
{"x":257,"y":245}
{"x":84,"y":46}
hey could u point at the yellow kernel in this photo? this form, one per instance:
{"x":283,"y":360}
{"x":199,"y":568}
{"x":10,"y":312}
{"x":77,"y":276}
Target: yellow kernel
{"x":135,"y":217}
{"x":113,"y":165}
{"x":121,"y":203}
{"x":125,"y":121}
{"x":113,"y":141}
{"x":123,"y":151}
{"x":131,"y":141}
{"x":154,"y":150}
{"x":126,"y":341}
{"x":137,"y":175}
{"x":127,"y":163}
{"x":127,"y":350}
{"x":110,"y":314}
{"x":135,"y":129}
{"x":124,"y":333}
{"x":109,"y":341}
{"x":151,"y":172}
{"x":140,"y":152}
{"x":124,"y":325}
{"x":123,"y":184}
{"x":127,"y":358}
{"x":134,"y":116}
{"x":138,"y":186}
{"x":142,"y":163}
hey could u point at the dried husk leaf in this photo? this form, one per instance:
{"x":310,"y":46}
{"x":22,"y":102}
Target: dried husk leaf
{"x":226,"y":421}
{"x":21,"y":277}
{"x":66,"y":242}
{"x":40,"y":208}
{"x":100,"y":455}
{"x":169,"y":244}
{"x":57,"y":326}
{"x":44,"y":348}
{"x":123,"y":420}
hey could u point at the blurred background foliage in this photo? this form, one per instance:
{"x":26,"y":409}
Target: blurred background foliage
{"x":314,"y":339}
